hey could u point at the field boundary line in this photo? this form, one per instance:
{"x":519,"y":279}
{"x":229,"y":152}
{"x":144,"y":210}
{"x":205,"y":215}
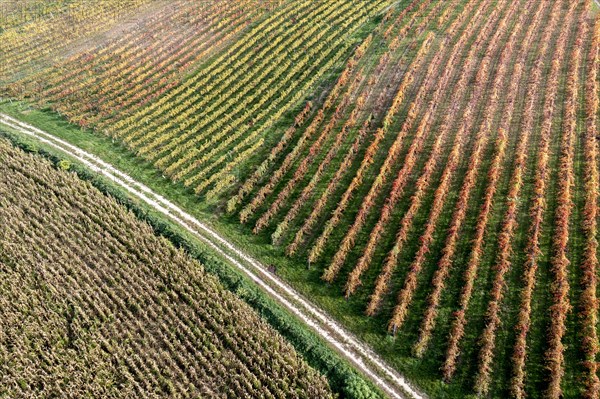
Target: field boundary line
{"x":359,"y":354}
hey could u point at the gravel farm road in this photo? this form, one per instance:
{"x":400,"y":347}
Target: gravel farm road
{"x":345,"y":343}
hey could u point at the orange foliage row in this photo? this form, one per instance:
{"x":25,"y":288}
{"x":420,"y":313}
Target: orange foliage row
{"x":560,"y":237}
{"x":287,"y":163}
{"x":494,"y":105}
{"x":468,"y":117}
{"x":367,"y":203}
{"x":503,"y":263}
{"x":460,"y":212}
{"x":369,"y":200}
{"x":589,"y":265}
{"x":397,"y":101}
{"x":424,"y":180}
{"x":459,"y":321}
{"x":401,"y":92}
{"x":536,"y":213}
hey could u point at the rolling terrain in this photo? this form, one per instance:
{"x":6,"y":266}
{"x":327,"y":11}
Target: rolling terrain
{"x":426,"y":170}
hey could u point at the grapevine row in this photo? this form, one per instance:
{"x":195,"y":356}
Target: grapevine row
{"x":589,"y":264}
{"x":409,"y":287}
{"x":460,"y":212}
{"x":371,"y":151}
{"x":536,"y":213}
{"x":459,"y":321}
{"x":319,"y":206}
{"x":560,"y":261}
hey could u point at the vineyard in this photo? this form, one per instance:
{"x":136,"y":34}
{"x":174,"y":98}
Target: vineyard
{"x":426,"y":170}
{"x":139,"y":319}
